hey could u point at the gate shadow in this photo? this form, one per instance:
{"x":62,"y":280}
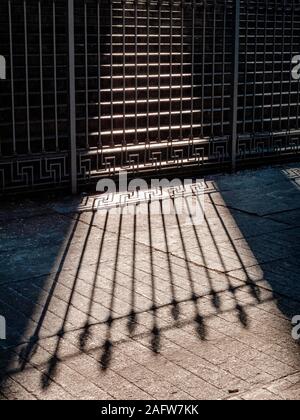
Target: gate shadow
{"x":135,"y":275}
{"x":267,"y":196}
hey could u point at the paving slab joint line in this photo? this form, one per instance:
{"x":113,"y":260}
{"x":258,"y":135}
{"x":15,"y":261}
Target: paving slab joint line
{"x":47,"y":212}
{"x":138,"y":243}
{"x":253,"y":214}
{"x":264,"y":387}
{"x":50,"y":273}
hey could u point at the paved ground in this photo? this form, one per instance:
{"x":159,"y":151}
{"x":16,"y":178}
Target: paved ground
{"x":100,"y":305}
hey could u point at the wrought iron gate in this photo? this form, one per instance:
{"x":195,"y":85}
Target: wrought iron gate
{"x":96,"y":86}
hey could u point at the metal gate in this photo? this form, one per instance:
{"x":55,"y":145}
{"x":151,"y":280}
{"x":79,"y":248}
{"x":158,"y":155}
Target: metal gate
{"x":97,"y":86}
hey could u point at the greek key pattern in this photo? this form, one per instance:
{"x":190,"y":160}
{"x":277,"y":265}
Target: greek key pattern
{"x":34,"y":173}
{"x":123,"y":199}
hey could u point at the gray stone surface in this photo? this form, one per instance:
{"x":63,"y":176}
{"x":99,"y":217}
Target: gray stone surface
{"x":104,"y":306}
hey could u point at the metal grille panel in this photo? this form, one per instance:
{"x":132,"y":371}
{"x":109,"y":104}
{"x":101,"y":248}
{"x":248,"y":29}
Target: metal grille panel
{"x":34,"y":135}
{"x":155,"y":85}
{"x":268,"y":115}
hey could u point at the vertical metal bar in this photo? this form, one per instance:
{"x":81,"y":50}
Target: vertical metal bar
{"x":273,"y":70}
{"x":255,"y":67}
{"x":112,"y":143}
{"x":27,"y":77}
{"x":213,"y":72}
{"x":136,"y":72}
{"x":55,"y":75}
{"x":193,"y":5}
{"x":124,"y":71}
{"x":86,"y":77}
{"x":171,"y":71}
{"x":72,"y":97}
{"x":159,"y":71}
{"x":246,"y":67}
{"x":13,"y":111}
{"x":99,"y":72}
{"x":41,"y":76}
{"x":203,"y":69}
{"x":235,"y":91}
{"x":291,"y":50}
{"x":148,"y":70}
{"x":298,"y":100}
{"x":264,"y":68}
{"x":282,"y":65}
{"x":223,"y":66}
{"x":99,"y":143}
{"x":181,"y":68}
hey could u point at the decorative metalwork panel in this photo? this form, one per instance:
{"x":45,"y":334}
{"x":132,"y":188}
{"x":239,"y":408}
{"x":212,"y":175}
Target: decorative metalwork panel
{"x":34,"y":173}
{"x":34,"y":97}
{"x":92,"y":87}
{"x":153,"y":83}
